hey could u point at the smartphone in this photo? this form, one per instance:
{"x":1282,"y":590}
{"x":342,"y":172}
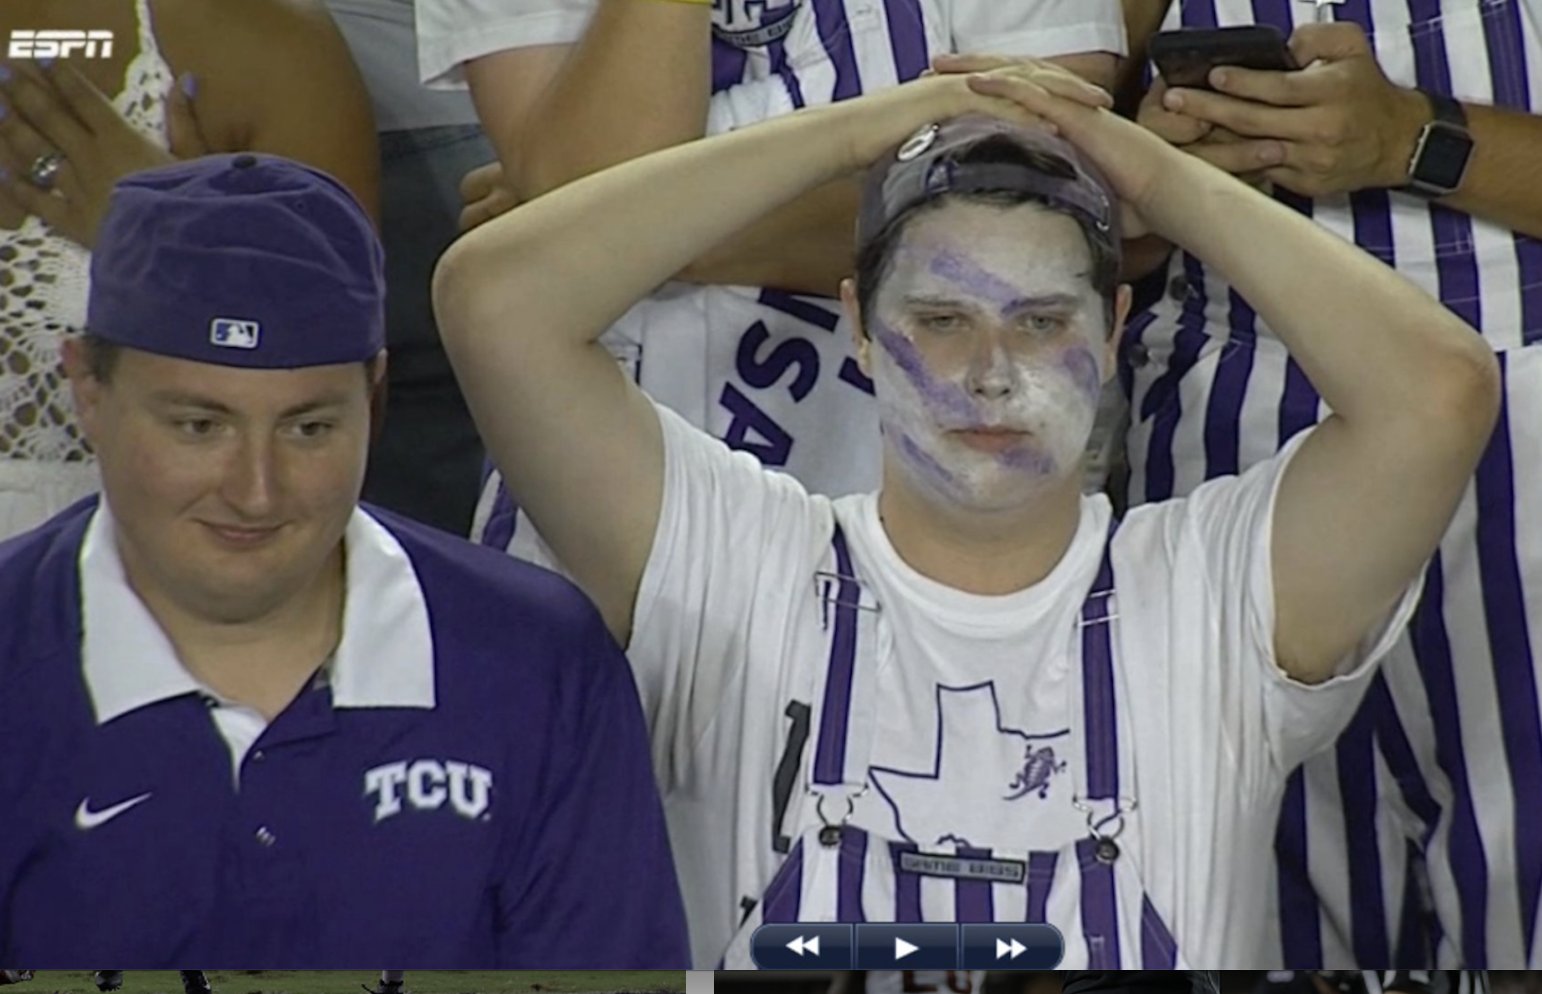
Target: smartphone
{"x":1186,"y":57}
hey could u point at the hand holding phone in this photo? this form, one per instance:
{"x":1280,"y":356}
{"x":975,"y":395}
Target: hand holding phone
{"x":1185,"y":58}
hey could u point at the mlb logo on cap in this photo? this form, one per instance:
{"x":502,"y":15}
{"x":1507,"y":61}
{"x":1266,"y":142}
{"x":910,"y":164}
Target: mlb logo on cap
{"x":232,"y":333}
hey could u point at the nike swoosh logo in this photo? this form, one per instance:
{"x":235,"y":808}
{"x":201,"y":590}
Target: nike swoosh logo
{"x":86,"y":819}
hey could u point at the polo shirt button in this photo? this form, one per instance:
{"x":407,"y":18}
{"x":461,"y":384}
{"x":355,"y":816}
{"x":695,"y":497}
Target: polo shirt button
{"x":265,"y":837}
{"x":1178,"y":289}
{"x":259,"y":756}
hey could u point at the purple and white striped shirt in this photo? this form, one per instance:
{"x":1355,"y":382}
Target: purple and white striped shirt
{"x":1439,"y":779}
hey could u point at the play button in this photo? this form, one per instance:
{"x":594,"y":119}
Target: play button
{"x":887,"y":946}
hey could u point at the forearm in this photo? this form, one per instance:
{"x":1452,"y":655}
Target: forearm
{"x":637,"y":81}
{"x":1142,"y":18}
{"x":621,"y":233}
{"x":1373,"y":345}
{"x":805,"y":247}
{"x":1500,"y":185}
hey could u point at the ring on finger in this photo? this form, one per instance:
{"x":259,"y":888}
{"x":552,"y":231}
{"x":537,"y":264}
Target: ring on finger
{"x":45,"y":169}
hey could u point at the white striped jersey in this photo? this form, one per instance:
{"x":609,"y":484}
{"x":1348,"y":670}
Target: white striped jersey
{"x":767,"y":372}
{"x":1437,"y":786}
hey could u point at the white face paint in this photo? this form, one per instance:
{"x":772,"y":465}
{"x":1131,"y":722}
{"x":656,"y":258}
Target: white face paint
{"x":987,"y":355}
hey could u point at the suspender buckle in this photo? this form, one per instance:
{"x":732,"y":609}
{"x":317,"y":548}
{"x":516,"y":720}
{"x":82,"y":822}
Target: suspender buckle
{"x":830,"y":834}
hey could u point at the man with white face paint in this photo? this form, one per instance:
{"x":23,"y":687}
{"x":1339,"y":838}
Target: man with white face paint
{"x":973,"y":695}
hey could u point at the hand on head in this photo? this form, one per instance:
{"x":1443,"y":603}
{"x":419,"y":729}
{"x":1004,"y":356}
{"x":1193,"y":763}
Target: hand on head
{"x":63,"y":145}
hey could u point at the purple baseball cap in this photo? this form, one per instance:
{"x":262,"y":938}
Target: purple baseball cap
{"x":238,"y":260}
{"x":927,"y":166}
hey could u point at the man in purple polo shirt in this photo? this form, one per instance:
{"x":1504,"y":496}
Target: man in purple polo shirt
{"x":250,"y":723}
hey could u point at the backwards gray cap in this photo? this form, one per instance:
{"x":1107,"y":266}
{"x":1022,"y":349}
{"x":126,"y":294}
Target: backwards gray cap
{"x":926,"y":166}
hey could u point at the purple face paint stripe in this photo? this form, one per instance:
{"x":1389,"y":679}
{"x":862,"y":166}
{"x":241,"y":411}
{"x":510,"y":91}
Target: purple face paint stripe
{"x":907,"y":886}
{"x":1041,"y":877}
{"x":924,"y":460}
{"x":1100,"y":919}
{"x":1300,"y":928}
{"x":853,"y":868}
{"x":1356,"y":760}
{"x":1100,"y":712}
{"x":777,"y":50}
{"x":830,"y":755}
{"x":1504,"y":608}
{"x":728,"y":63}
{"x":1082,"y":366}
{"x":835,"y":34}
{"x":972,"y":901}
{"x":1505,"y":33}
{"x":907,"y":38}
{"x":1158,"y":951}
{"x":945,"y":396}
{"x":784,"y":897}
{"x":1464,"y":846}
{"x":501,"y":520}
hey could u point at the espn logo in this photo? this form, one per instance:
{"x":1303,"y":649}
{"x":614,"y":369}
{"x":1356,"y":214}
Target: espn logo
{"x":27,"y":44}
{"x":233,"y":333}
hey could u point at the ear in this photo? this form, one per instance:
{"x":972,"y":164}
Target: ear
{"x":1124,"y":297}
{"x":859,"y":336}
{"x":377,"y":397}
{"x":85,"y":389}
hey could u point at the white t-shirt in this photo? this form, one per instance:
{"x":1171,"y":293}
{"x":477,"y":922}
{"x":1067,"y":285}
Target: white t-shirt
{"x":728,"y":635}
{"x":769,"y":372}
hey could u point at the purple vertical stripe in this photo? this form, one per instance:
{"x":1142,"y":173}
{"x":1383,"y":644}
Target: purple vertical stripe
{"x":830,"y":756}
{"x":1300,"y":929}
{"x":907,"y":886}
{"x":1401,"y":762}
{"x":1358,"y":799}
{"x":1223,"y":414}
{"x":1469,"y":865}
{"x":1199,"y":14}
{"x":1509,"y":635}
{"x":1041,"y":877}
{"x":1505,"y":35}
{"x":1158,"y":951}
{"x":1098,"y":705}
{"x":501,"y":521}
{"x":835,"y":34}
{"x":852,"y":871}
{"x":728,"y":62}
{"x":1100,"y":917}
{"x":972,"y":899}
{"x":785,"y":895}
{"x":907,"y":38}
{"x":1414,"y":950}
{"x":777,"y":51}
{"x":1164,"y":400}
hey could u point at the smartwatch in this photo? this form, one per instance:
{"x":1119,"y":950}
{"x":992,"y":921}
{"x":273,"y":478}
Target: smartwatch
{"x":1443,"y":150}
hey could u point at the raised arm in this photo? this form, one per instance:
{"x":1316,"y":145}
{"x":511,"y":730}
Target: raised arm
{"x":1415,"y":392}
{"x":638,"y":80}
{"x":276,"y":76}
{"x":522,"y":301}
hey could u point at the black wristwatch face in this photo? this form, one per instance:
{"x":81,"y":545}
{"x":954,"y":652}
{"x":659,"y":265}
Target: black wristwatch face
{"x":1443,"y":158}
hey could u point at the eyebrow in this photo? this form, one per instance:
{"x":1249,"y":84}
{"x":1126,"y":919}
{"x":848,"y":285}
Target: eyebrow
{"x":173,"y":398}
{"x":1048,"y":300}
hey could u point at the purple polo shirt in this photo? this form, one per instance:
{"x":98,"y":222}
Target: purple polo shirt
{"x":466,"y":784}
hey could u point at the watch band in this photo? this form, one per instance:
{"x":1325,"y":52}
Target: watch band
{"x":1446,"y":109}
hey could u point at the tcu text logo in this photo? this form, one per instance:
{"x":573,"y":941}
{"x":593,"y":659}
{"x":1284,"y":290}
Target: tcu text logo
{"x":427,"y":784}
{"x":61,"y":44}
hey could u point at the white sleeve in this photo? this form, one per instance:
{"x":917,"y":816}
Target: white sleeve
{"x":1039,"y":28}
{"x":453,"y":32}
{"x":734,"y":544}
{"x":1231,"y":522}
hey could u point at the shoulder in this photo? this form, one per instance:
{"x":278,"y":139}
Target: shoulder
{"x":484,"y":593}
{"x":36,"y":578}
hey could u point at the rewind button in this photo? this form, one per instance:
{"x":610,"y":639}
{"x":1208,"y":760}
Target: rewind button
{"x":802,"y":947}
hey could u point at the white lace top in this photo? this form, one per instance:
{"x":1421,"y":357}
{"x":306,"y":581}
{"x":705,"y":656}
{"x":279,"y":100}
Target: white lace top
{"x":43,"y":290}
